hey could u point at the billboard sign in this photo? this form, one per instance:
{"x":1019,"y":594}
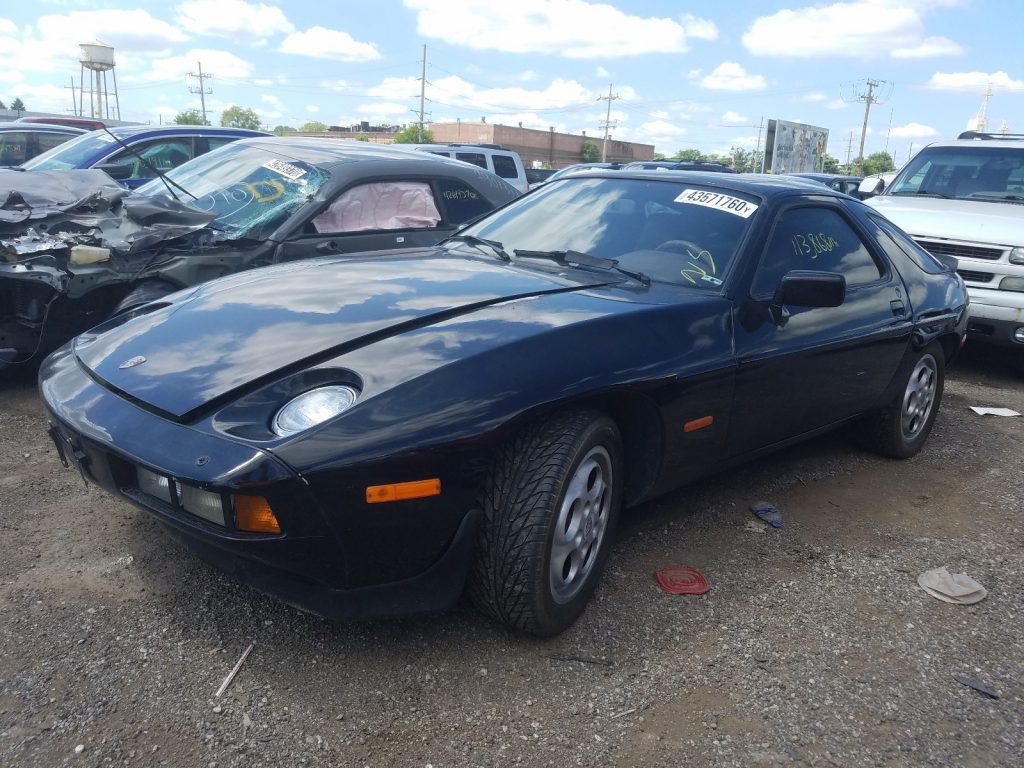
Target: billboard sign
{"x":794,"y":147}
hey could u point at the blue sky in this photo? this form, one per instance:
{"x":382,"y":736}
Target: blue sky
{"x":686,"y":74}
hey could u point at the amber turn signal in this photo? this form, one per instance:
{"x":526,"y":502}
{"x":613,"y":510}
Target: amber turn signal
{"x":417,"y":489}
{"x":253,"y":514}
{"x":693,"y":426}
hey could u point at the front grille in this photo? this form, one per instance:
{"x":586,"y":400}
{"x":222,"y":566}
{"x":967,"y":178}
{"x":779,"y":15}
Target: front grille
{"x":975,"y":277}
{"x":937,"y":248}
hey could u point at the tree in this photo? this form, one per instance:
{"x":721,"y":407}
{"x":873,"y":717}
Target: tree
{"x":830,"y":164}
{"x":313,"y":126}
{"x":240,"y":117}
{"x":590,"y":152}
{"x":189,"y":117}
{"x":2,"y":105}
{"x":692,"y":155}
{"x":658,"y":156}
{"x":283,"y":130}
{"x":878,"y":162}
{"x":411,"y":135}
{"x":362,"y":137}
{"x":18,"y":105}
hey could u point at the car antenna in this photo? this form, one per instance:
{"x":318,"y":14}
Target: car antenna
{"x":160,"y":174}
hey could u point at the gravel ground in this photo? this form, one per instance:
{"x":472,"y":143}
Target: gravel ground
{"x":815,"y":645}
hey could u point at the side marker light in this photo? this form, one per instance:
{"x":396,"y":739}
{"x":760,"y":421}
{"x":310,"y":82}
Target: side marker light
{"x":417,"y":489}
{"x":693,"y":426}
{"x":253,"y":514}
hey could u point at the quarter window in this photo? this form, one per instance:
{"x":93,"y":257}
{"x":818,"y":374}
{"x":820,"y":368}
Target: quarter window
{"x":505,"y":166}
{"x":461,"y":201}
{"x":817,"y":239}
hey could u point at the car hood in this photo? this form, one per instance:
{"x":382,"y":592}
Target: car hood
{"x":968,"y":220}
{"x":203,"y":345}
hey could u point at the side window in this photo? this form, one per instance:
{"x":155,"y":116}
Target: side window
{"x":891,"y":237}
{"x":164,"y":154}
{"x":505,"y":166}
{"x":814,"y":238}
{"x":380,"y":205}
{"x":48,"y":141}
{"x":475,"y":158}
{"x":461,"y":201}
{"x":13,"y":148}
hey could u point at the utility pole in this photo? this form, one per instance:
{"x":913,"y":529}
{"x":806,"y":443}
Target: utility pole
{"x":74,"y":102}
{"x":607,"y":124}
{"x":981,"y":123}
{"x":868,"y":99}
{"x":757,"y":149}
{"x":423,"y":94}
{"x":202,"y":90}
{"x":849,"y":149}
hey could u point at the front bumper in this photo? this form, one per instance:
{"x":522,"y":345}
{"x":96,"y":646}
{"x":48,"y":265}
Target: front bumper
{"x":995,"y":316}
{"x":107,"y":438}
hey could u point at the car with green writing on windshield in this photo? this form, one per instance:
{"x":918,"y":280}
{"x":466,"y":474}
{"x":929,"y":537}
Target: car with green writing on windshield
{"x":253,"y":202}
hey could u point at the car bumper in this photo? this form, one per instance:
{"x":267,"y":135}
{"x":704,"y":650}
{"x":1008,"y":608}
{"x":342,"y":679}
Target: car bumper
{"x":107,"y":439}
{"x":996,"y":317}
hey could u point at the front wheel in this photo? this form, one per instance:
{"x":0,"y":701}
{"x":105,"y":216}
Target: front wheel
{"x":550,"y":506}
{"x":901,"y":428}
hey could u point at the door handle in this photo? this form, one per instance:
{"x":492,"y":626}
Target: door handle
{"x":327,"y":246}
{"x":898,"y":308}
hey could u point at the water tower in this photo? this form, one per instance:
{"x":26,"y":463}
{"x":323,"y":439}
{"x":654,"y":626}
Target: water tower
{"x":98,"y":58}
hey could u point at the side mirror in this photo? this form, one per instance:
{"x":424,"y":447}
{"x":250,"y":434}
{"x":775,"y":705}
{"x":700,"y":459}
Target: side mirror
{"x":116,"y":171}
{"x":804,"y":288}
{"x":870,"y":187}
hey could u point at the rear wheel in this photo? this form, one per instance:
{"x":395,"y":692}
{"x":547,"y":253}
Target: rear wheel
{"x":550,"y":506}
{"x":901,"y":428}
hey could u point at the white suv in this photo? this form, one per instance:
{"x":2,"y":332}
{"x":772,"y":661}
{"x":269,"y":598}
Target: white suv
{"x":491,"y":157}
{"x":965,"y":198}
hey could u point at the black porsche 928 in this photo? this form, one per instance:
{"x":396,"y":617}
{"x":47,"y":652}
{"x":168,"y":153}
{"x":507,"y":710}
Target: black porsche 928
{"x":371,"y":434}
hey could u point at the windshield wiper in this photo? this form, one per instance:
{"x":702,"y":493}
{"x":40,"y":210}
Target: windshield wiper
{"x":578,"y":258}
{"x":1007,"y":198}
{"x":926,"y":193}
{"x":160,"y":174}
{"x":494,"y":245}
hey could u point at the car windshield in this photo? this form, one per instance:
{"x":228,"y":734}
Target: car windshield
{"x":71,"y":154}
{"x":251,"y":189}
{"x":671,"y":231}
{"x":966,"y":173}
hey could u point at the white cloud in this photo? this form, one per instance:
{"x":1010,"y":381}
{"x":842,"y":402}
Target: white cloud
{"x":602,"y":72}
{"x":238,"y":20}
{"x":929,"y":48}
{"x":862,"y":29}
{"x":699,"y":29}
{"x":734,"y":117}
{"x":455,"y":92}
{"x":8,"y":27}
{"x":334,"y":85}
{"x":170,"y":68}
{"x":837,"y":104}
{"x":263,"y":83}
{"x":661,"y":128}
{"x":574,"y":29}
{"x":272,"y":100}
{"x":812,"y":97}
{"x":660,"y":115}
{"x":527,"y":76}
{"x":973,"y":81}
{"x":913,"y":131}
{"x":322,"y":43}
{"x":730,"y":76}
{"x":312,"y":108}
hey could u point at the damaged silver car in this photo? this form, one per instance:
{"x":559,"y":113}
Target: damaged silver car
{"x":78,"y":248}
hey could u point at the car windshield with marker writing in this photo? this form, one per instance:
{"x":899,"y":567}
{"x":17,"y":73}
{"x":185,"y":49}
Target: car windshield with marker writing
{"x":668,"y":231}
{"x":251,"y":190}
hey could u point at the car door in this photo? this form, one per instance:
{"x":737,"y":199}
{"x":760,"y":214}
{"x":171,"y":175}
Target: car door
{"x":816,"y":366}
{"x":373,"y":215}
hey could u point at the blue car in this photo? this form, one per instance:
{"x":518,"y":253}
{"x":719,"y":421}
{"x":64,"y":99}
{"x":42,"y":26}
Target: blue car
{"x":132,"y":155}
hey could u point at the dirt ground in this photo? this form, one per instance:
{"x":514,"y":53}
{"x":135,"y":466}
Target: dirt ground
{"x":815,"y":645}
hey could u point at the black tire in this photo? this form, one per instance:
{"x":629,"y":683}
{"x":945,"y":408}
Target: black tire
{"x":900,"y":429}
{"x":520,"y":578}
{"x":143,"y":293}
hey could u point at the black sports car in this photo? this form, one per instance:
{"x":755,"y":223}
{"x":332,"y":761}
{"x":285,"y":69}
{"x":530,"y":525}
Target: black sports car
{"x":369,"y":435}
{"x":78,"y":248}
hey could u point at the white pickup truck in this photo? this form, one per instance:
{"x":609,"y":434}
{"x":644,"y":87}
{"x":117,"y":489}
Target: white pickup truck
{"x":965,"y":198}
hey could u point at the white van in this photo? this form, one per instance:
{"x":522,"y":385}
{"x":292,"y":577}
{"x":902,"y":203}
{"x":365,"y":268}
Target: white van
{"x":492,"y":157}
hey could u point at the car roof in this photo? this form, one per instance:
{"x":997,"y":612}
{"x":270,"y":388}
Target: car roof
{"x":67,"y":130}
{"x":343,"y":149}
{"x":982,"y":143}
{"x":824,"y":176}
{"x":125,"y":131}
{"x":758,"y":184}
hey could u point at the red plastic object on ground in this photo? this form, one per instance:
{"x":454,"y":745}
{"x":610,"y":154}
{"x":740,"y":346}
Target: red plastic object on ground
{"x":682,"y":580}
